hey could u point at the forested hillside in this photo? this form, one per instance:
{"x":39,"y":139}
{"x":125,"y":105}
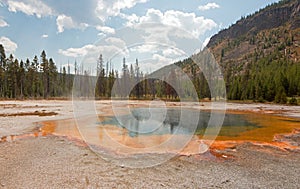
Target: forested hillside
{"x":259,"y":56}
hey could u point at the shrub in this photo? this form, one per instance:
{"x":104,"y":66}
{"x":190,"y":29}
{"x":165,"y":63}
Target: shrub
{"x":281,"y":98}
{"x":293,"y":101}
{"x":260,"y":100}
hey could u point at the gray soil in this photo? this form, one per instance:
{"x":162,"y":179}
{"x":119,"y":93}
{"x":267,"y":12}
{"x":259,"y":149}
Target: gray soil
{"x":55,"y":162}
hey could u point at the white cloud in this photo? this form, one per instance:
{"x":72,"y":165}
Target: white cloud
{"x":156,"y":48}
{"x":156,"y":56}
{"x":208,"y":6}
{"x":63,"y":21}
{"x":66,"y":22}
{"x":40,"y":9}
{"x":172,"y":52}
{"x":115,"y":41}
{"x":146,"y":48}
{"x":106,"y":29}
{"x":9,"y":46}
{"x":107,"y":8}
{"x":112,"y":48}
{"x":108,"y":48}
{"x":30,"y":7}
{"x":3,"y":23}
{"x":101,"y":35}
{"x":166,"y":36}
{"x":158,"y":36}
{"x":157,"y":61}
{"x":44,"y":36}
{"x":170,"y":20}
{"x":131,"y":19}
{"x":168,"y":56}
{"x":77,"y":52}
{"x":162,"y":59}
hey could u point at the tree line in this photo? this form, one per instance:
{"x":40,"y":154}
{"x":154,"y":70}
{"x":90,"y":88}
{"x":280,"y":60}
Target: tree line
{"x":271,"y":78}
{"x":36,"y":78}
{"x":130,"y":82}
{"x":40,"y":78}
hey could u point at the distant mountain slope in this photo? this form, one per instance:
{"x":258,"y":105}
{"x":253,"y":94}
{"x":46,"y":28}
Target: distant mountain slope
{"x":259,"y":55}
{"x":284,"y":13}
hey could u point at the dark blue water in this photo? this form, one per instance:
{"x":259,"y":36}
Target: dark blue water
{"x":176,"y":121}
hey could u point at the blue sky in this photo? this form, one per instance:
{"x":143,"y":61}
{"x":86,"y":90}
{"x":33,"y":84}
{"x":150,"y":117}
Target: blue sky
{"x":157,"y":32}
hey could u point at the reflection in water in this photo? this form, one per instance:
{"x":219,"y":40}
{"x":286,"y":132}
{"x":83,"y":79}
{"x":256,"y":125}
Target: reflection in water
{"x":140,"y":132}
{"x":144,"y":122}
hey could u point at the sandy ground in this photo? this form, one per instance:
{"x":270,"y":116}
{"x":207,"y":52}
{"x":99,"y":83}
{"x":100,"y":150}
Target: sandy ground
{"x":16,"y":125}
{"x":55,"y":162}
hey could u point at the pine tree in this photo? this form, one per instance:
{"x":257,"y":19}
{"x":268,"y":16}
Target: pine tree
{"x":21,"y":78}
{"x":2,"y":71}
{"x":52,"y":78}
{"x":45,"y":74}
{"x":64,"y":81}
{"x":37,"y":83}
{"x":28,"y":82}
{"x":125,"y":80}
{"x":100,"y":85}
{"x":137,"y":78}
